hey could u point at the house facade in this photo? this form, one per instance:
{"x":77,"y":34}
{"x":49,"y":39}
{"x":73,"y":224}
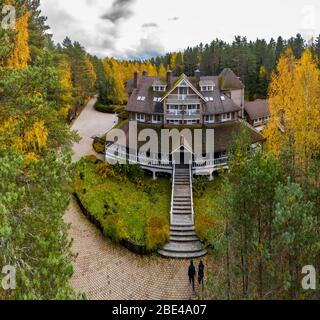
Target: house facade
{"x":197,"y":102}
{"x":185,"y":101}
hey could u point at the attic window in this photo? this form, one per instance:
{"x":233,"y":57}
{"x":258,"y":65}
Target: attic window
{"x":160,"y":88}
{"x":207,"y":88}
{"x":183,"y":84}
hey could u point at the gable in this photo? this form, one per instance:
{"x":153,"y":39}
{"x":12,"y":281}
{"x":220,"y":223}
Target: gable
{"x":185,"y":83}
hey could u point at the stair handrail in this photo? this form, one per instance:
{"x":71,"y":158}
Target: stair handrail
{"x":173,"y":189}
{"x":191,"y":193}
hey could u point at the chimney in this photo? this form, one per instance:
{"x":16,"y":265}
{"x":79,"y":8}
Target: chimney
{"x":144,"y":73}
{"x":169,"y":78}
{"x":197,"y":75}
{"x":135,"y":79}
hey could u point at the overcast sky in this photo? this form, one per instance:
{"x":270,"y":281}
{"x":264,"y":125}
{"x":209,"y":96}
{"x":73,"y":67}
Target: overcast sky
{"x":144,"y":28}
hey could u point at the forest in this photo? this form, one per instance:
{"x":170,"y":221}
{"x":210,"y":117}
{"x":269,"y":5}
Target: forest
{"x":265,"y":239}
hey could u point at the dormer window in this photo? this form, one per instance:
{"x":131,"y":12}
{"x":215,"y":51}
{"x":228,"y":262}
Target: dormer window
{"x":159,"y":88}
{"x":207,"y":88}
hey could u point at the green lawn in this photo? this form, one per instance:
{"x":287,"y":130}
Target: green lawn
{"x":126,"y":210}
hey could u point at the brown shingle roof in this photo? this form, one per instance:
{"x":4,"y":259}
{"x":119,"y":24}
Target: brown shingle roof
{"x":229,"y":80}
{"x":215,"y":105}
{"x":224,"y":134}
{"x":257,"y":109}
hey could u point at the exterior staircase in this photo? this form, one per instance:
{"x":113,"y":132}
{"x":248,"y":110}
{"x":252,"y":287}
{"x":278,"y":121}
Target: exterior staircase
{"x":184,"y":243}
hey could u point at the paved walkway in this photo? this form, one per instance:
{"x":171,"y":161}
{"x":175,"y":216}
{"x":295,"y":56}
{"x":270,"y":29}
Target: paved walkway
{"x":90,"y":123}
{"x":107,"y":271}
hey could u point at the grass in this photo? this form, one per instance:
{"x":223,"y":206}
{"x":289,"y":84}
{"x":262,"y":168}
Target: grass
{"x":125,"y":210}
{"x":208,"y":218}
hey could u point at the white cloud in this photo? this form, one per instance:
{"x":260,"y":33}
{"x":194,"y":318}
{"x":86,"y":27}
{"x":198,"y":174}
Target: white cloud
{"x":173,"y":24}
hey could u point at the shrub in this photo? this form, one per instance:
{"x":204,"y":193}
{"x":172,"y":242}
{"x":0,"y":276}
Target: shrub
{"x":157,"y":233}
{"x":98,"y":147}
{"x":104,"y":108}
{"x":200,"y":185}
{"x":92,"y":159}
{"x":123,"y":115}
{"x":205,"y":224}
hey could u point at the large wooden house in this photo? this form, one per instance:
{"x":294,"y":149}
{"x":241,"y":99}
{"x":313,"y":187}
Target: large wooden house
{"x":198,"y":102}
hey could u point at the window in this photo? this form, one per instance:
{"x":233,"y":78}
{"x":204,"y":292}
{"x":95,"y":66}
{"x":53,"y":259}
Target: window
{"x":140,"y":98}
{"x":156,"y":99}
{"x":223,"y":98}
{"x":207,"y":88}
{"x":209,"y":119}
{"x":207,"y":98}
{"x":140,"y":117}
{"x":159,"y":88}
{"x":183,"y":91}
{"x":156,"y":118}
{"x":226,"y":116}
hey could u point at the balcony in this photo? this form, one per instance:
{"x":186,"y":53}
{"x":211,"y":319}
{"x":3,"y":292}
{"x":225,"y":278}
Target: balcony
{"x":183,"y":115}
{"x":183,"y":99}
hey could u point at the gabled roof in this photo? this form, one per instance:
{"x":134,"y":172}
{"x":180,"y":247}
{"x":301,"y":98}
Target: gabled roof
{"x":182,"y":78}
{"x":257,"y":109}
{"x":229,"y":80}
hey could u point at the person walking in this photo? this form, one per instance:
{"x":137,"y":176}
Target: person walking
{"x":201,"y":274}
{"x":191,"y":274}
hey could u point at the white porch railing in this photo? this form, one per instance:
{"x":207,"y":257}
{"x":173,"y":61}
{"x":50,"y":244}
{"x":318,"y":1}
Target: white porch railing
{"x":116,"y":154}
{"x":172,"y":194}
{"x":191,"y":194}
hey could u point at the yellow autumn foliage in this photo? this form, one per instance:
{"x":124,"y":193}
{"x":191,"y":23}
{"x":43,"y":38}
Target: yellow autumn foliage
{"x":118,"y":72}
{"x":20,"y":56}
{"x":36,"y":136}
{"x":92,"y":72}
{"x":294,"y":101}
{"x":64,"y":72}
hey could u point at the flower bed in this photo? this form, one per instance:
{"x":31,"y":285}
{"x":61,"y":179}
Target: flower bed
{"x":128,"y":207}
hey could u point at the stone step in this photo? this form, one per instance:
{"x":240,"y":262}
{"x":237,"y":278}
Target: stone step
{"x":181,"y":199}
{"x":179,"y":210}
{"x":182,"y":228}
{"x":178,"y":234}
{"x":181,"y":207}
{"x":182,"y":203}
{"x":182,"y":213}
{"x":184,"y":238}
{"x":183,"y":221}
{"x":182,"y":255}
{"x":190,"y":247}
